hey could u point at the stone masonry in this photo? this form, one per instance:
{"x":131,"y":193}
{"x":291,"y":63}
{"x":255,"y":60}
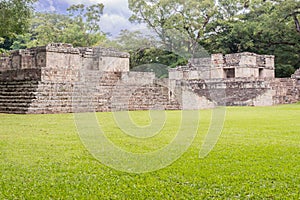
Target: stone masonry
{"x":59,"y":78}
{"x":241,"y":79}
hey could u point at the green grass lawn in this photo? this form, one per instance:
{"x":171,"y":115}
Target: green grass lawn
{"x":257,"y":157}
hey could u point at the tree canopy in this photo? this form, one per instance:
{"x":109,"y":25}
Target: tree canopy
{"x":15,"y":16}
{"x":178,"y":23}
{"x":80,"y":27}
{"x":229,"y":26}
{"x":263,"y":27}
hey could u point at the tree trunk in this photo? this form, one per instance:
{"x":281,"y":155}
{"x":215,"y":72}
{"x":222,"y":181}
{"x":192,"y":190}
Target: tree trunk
{"x":297,"y":23}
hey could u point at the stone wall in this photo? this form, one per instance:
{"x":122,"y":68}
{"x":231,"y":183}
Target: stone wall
{"x":241,"y":65}
{"x":101,"y":92}
{"x":231,"y":92}
{"x":71,"y":79}
{"x":286,"y":91}
{"x":241,"y":79}
{"x":58,"y":78}
{"x":240,"y":92}
{"x":296,"y":76}
{"x":20,"y":75}
{"x":226,"y":92}
{"x":50,"y":75}
{"x":65,"y":56}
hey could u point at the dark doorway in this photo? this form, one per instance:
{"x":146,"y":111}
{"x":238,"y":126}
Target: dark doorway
{"x":261,"y":73}
{"x":229,"y":73}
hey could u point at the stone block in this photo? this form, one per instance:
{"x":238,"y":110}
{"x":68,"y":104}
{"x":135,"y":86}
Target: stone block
{"x":59,"y":78}
{"x":247,"y":60}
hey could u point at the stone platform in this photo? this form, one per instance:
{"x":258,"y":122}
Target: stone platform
{"x":59,"y":78}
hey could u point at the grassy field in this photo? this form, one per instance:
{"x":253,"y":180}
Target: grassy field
{"x":257,"y":157}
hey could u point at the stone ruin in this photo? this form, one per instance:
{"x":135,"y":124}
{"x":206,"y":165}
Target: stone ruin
{"x":59,"y":78}
{"x":296,"y":76}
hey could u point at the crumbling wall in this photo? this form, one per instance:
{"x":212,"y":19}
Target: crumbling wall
{"x":93,"y":91}
{"x":236,"y":92}
{"x":59,"y":78}
{"x":4,"y":62}
{"x":34,"y":58}
{"x":296,"y":76}
{"x":241,"y":79}
{"x":286,"y":91}
{"x":131,"y":91}
{"x":245,"y":65}
{"x":42,"y":79}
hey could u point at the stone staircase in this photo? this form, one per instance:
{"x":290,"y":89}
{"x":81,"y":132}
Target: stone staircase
{"x":17,"y":96}
{"x":111,"y":93}
{"x":93,"y":91}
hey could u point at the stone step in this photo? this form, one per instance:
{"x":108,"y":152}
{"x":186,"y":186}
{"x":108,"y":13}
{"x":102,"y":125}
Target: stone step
{"x":18,"y":82}
{"x":17,"y":96}
{"x":3,"y":100}
{"x":17,"y":104}
{"x":14,"y":110}
{"x":17,"y":93}
{"x":19,"y":90}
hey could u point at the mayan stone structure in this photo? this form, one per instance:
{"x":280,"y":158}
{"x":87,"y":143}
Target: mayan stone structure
{"x":59,"y":78}
{"x":241,"y":79}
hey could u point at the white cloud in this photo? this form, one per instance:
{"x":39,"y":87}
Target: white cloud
{"x":113,"y":24}
{"x":114,"y":19}
{"x":110,"y":6}
{"x":51,"y":6}
{"x":46,"y":5}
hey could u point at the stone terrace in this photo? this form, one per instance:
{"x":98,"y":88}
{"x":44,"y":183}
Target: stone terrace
{"x":59,"y":78}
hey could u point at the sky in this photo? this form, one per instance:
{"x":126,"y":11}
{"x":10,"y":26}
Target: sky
{"x":114,"y":19}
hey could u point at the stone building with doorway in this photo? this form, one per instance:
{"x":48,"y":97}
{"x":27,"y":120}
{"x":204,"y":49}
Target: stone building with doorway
{"x":59,"y":78}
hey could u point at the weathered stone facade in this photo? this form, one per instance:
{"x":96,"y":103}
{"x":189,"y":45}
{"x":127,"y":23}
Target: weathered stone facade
{"x":296,"y":76}
{"x":241,"y":79}
{"x":58,"y":78}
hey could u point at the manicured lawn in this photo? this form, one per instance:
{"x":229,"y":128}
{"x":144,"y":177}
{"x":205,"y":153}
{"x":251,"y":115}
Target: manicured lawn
{"x":257,"y":156}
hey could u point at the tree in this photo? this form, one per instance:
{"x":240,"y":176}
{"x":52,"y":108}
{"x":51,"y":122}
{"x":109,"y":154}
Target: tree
{"x":146,"y":53}
{"x":14,"y":20}
{"x":177,"y":23}
{"x":86,"y":20}
{"x":264,"y":27}
{"x":80,"y":28}
{"x":134,"y":40}
{"x":230,"y":26}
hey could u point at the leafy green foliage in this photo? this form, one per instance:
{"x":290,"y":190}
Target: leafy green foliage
{"x":155,"y":60}
{"x":80,"y":28}
{"x":153,"y":55}
{"x":14,"y":17}
{"x":259,"y":26}
{"x":264,"y":27}
{"x":91,"y":15}
{"x":134,"y":40}
{"x":146,"y":53}
{"x":284,"y":71}
{"x":179,"y":24}
{"x":14,"y":20}
{"x":257,"y":157}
